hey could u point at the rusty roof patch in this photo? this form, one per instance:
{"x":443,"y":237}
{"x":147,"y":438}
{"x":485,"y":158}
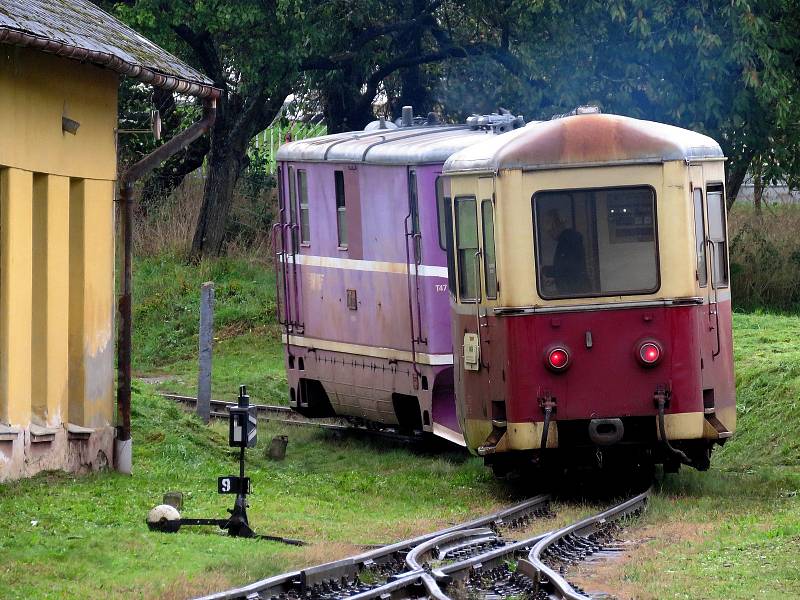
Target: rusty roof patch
{"x":584,"y":140}
{"x":81,"y":31}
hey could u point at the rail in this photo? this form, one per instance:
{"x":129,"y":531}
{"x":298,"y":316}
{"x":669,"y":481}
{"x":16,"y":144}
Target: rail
{"x":286,"y":416}
{"x":574,"y":543}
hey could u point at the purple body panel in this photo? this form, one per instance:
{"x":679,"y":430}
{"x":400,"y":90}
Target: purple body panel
{"x":394,"y":346}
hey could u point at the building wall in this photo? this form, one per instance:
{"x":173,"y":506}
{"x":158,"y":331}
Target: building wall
{"x":56,"y":263}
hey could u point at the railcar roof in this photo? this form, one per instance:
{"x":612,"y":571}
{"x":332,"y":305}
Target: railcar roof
{"x":402,"y":146}
{"x":584,"y":140}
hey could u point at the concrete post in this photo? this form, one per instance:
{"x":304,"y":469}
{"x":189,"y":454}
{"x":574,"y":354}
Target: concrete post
{"x":206,"y":342}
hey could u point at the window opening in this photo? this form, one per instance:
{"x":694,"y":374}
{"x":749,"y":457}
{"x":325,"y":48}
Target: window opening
{"x":448,"y":233}
{"x":700,"y":238}
{"x":413,"y":206}
{"x":302,"y":192}
{"x":596,"y":242}
{"x":442,"y":202}
{"x":467,"y":245}
{"x":341,"y":209}
{"x":717,"y":235}
{"x":489,"y":260}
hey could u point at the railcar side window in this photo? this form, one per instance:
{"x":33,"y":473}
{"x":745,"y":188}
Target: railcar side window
{"x":717,"y":234}
{"x":292,"y":206}
{"x":442,"y":201}
{"x":413,"y":209}
{"x":467,"y":245}
{"x":341,"y":209}
{"x":596,"y":242}
{"x":302,"y":191}
{"x":700,"y":238}
{"x":489,"y":260}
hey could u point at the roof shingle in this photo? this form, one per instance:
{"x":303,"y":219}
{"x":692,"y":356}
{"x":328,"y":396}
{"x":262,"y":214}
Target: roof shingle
{"x":80,"y":30}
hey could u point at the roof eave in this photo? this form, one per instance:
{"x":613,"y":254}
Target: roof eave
{"x":103,"y":59}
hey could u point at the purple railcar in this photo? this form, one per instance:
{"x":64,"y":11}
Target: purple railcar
{"x":362,"y":276}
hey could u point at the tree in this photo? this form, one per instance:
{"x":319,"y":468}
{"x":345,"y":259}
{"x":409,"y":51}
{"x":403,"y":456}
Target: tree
{"x":727,"y":69}
{"x":249,"y":49}
{"x":730,"y":70}
{"x":398,"y":47}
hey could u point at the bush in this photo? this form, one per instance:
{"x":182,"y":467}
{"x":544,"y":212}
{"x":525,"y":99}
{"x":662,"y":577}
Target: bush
{"x":765,"y":257}
{"x":169,"y":227}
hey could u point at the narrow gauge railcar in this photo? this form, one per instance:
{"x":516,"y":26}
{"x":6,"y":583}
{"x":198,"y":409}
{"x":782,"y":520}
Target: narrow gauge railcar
{"x":362,"y":274}
{"x":591,"y":311}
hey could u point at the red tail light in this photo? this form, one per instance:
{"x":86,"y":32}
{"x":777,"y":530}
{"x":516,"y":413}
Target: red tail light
{"x":649,"y":353}
{"x":557,"y":359}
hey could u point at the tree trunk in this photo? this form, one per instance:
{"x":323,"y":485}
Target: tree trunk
{"x":737,"y":171}
{"x":758,"y":192}
{"x":224,"y":165}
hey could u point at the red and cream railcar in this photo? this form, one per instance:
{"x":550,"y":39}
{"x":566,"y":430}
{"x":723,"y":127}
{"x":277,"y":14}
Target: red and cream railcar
{"x":591,"y":311}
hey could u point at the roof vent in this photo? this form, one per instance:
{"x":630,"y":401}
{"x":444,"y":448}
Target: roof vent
{"x":497,"y":122}
{"x":408,"y":116}
{"x":579,"y":110}
{"x":409,"y":120}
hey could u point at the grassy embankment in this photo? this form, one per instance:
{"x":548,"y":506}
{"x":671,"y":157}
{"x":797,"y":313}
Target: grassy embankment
{"x":713,"y":535}
{"x":247,"y":340}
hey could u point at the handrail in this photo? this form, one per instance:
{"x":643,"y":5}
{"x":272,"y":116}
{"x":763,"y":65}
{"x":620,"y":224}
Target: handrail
{"x":410,"y":301}
{"x":300,"y":326}
{"x":279,"y":266}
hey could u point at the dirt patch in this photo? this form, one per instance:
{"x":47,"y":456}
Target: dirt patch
{"x":317,"y":554}
{"x":156,"y":379}
{"x":237,"y":328}
{"x":604,"y":576}
{"x":188,"y":587}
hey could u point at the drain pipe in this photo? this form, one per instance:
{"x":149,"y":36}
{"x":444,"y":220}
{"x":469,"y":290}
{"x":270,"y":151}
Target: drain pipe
{"x":123,"y":445}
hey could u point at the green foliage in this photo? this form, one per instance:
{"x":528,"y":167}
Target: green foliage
{"x":731,"y":70}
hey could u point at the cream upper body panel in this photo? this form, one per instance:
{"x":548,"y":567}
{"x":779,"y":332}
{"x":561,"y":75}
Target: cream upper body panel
{"x":513,"y":191}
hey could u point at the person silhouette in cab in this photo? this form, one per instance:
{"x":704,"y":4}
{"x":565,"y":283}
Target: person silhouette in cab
{"x":568,"y":270}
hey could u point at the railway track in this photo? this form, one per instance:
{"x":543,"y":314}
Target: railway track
{"x":286,"y":416}
{"x":471,"y":560}
{"x":378,"y":571}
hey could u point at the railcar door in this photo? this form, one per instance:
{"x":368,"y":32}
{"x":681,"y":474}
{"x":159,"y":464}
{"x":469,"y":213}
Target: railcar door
{"x":413,"y":246}
{"x":289,"y":240}
{"x":279,"y":244}
{"x":705,"y":322}
{"x":712,"y":276}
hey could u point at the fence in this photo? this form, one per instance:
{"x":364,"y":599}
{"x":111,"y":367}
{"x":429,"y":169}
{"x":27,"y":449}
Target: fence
{"x":268,"y":141}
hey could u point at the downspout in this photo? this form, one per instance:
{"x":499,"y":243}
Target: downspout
{"x":123,"y":448}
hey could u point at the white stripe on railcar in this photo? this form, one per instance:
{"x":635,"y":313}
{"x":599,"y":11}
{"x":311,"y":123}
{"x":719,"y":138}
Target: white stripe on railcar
{"x":374,"y":266}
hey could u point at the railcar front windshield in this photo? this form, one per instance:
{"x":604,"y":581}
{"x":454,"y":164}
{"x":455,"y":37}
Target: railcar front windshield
{"x":596,"y":242}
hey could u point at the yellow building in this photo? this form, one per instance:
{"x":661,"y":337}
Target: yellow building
{"x":60,"y":65}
